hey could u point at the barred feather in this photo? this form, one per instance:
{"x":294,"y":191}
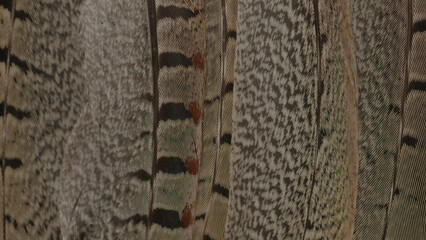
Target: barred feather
{"x":181,"y":78}
{"x":218,"y":206}
{"x":41,"y":97}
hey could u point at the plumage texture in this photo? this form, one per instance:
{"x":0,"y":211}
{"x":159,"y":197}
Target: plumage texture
{"x":218,"y":205}
{"x":380,"y":40}
{"x":333,"y":197}
{"x":274,"y":130}
{"x":107,"y":166}
{"x":41,"y":94}
{"x":181,"y":36}
{"x":129,"y":120}
{"x":391,"y":189}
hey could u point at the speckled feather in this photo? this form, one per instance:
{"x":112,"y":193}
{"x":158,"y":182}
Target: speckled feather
{"x":293,"y":167}
{"x":274,"y":130}
{"x":106,"y":171}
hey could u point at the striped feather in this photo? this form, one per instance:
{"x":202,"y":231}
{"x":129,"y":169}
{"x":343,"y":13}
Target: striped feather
{"x":218,"y":205}
{"x":41,"y":98}
{"x":181,"y":77}
{"x":406,"y":218}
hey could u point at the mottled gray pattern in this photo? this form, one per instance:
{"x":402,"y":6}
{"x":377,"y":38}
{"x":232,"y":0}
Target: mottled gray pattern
{"x":105,"y":175}
{"x":274,"y":120}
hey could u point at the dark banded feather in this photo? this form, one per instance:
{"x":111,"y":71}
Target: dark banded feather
{"x":180,"y":32}
{"x":41,"y":92}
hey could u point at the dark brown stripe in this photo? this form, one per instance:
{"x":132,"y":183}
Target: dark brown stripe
{"x":6,"y":4}
{"x":135,"y":219}
{"x":173,"y":111}
{"x":19,"y":114}
{"x":207,"y":237}
{"x":140,"y":174}
{"x":210,"y":101}
{"x":171,"y":59}
{"x":24,"y":66}
{"x":166,"y":218}
{"x":3,"y":54}
{"x":419,"y":26}
{"x":232,"y":34}
{"x":221,"y":190}
{"x":394,"y":108}
{"x":173,"y":165}
{"x":13,"y":163}
{"x":226,"y":138}
{"x":148,"y":97}
{"x":23,"y":16}
{"x":144,"y":134}
{"x":229,"y":87}
{"x":416,"y":85}
{"x":20,"y":63}
{"x":201,"y":216}
{"x":410,"y":141}
{"x":174,"y":12}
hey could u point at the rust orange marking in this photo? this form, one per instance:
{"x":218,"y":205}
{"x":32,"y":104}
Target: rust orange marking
{"x":195,"y":112}
{"x":198,"y":60}
{"x":192,"y":165}
{"x":186,"y":217}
